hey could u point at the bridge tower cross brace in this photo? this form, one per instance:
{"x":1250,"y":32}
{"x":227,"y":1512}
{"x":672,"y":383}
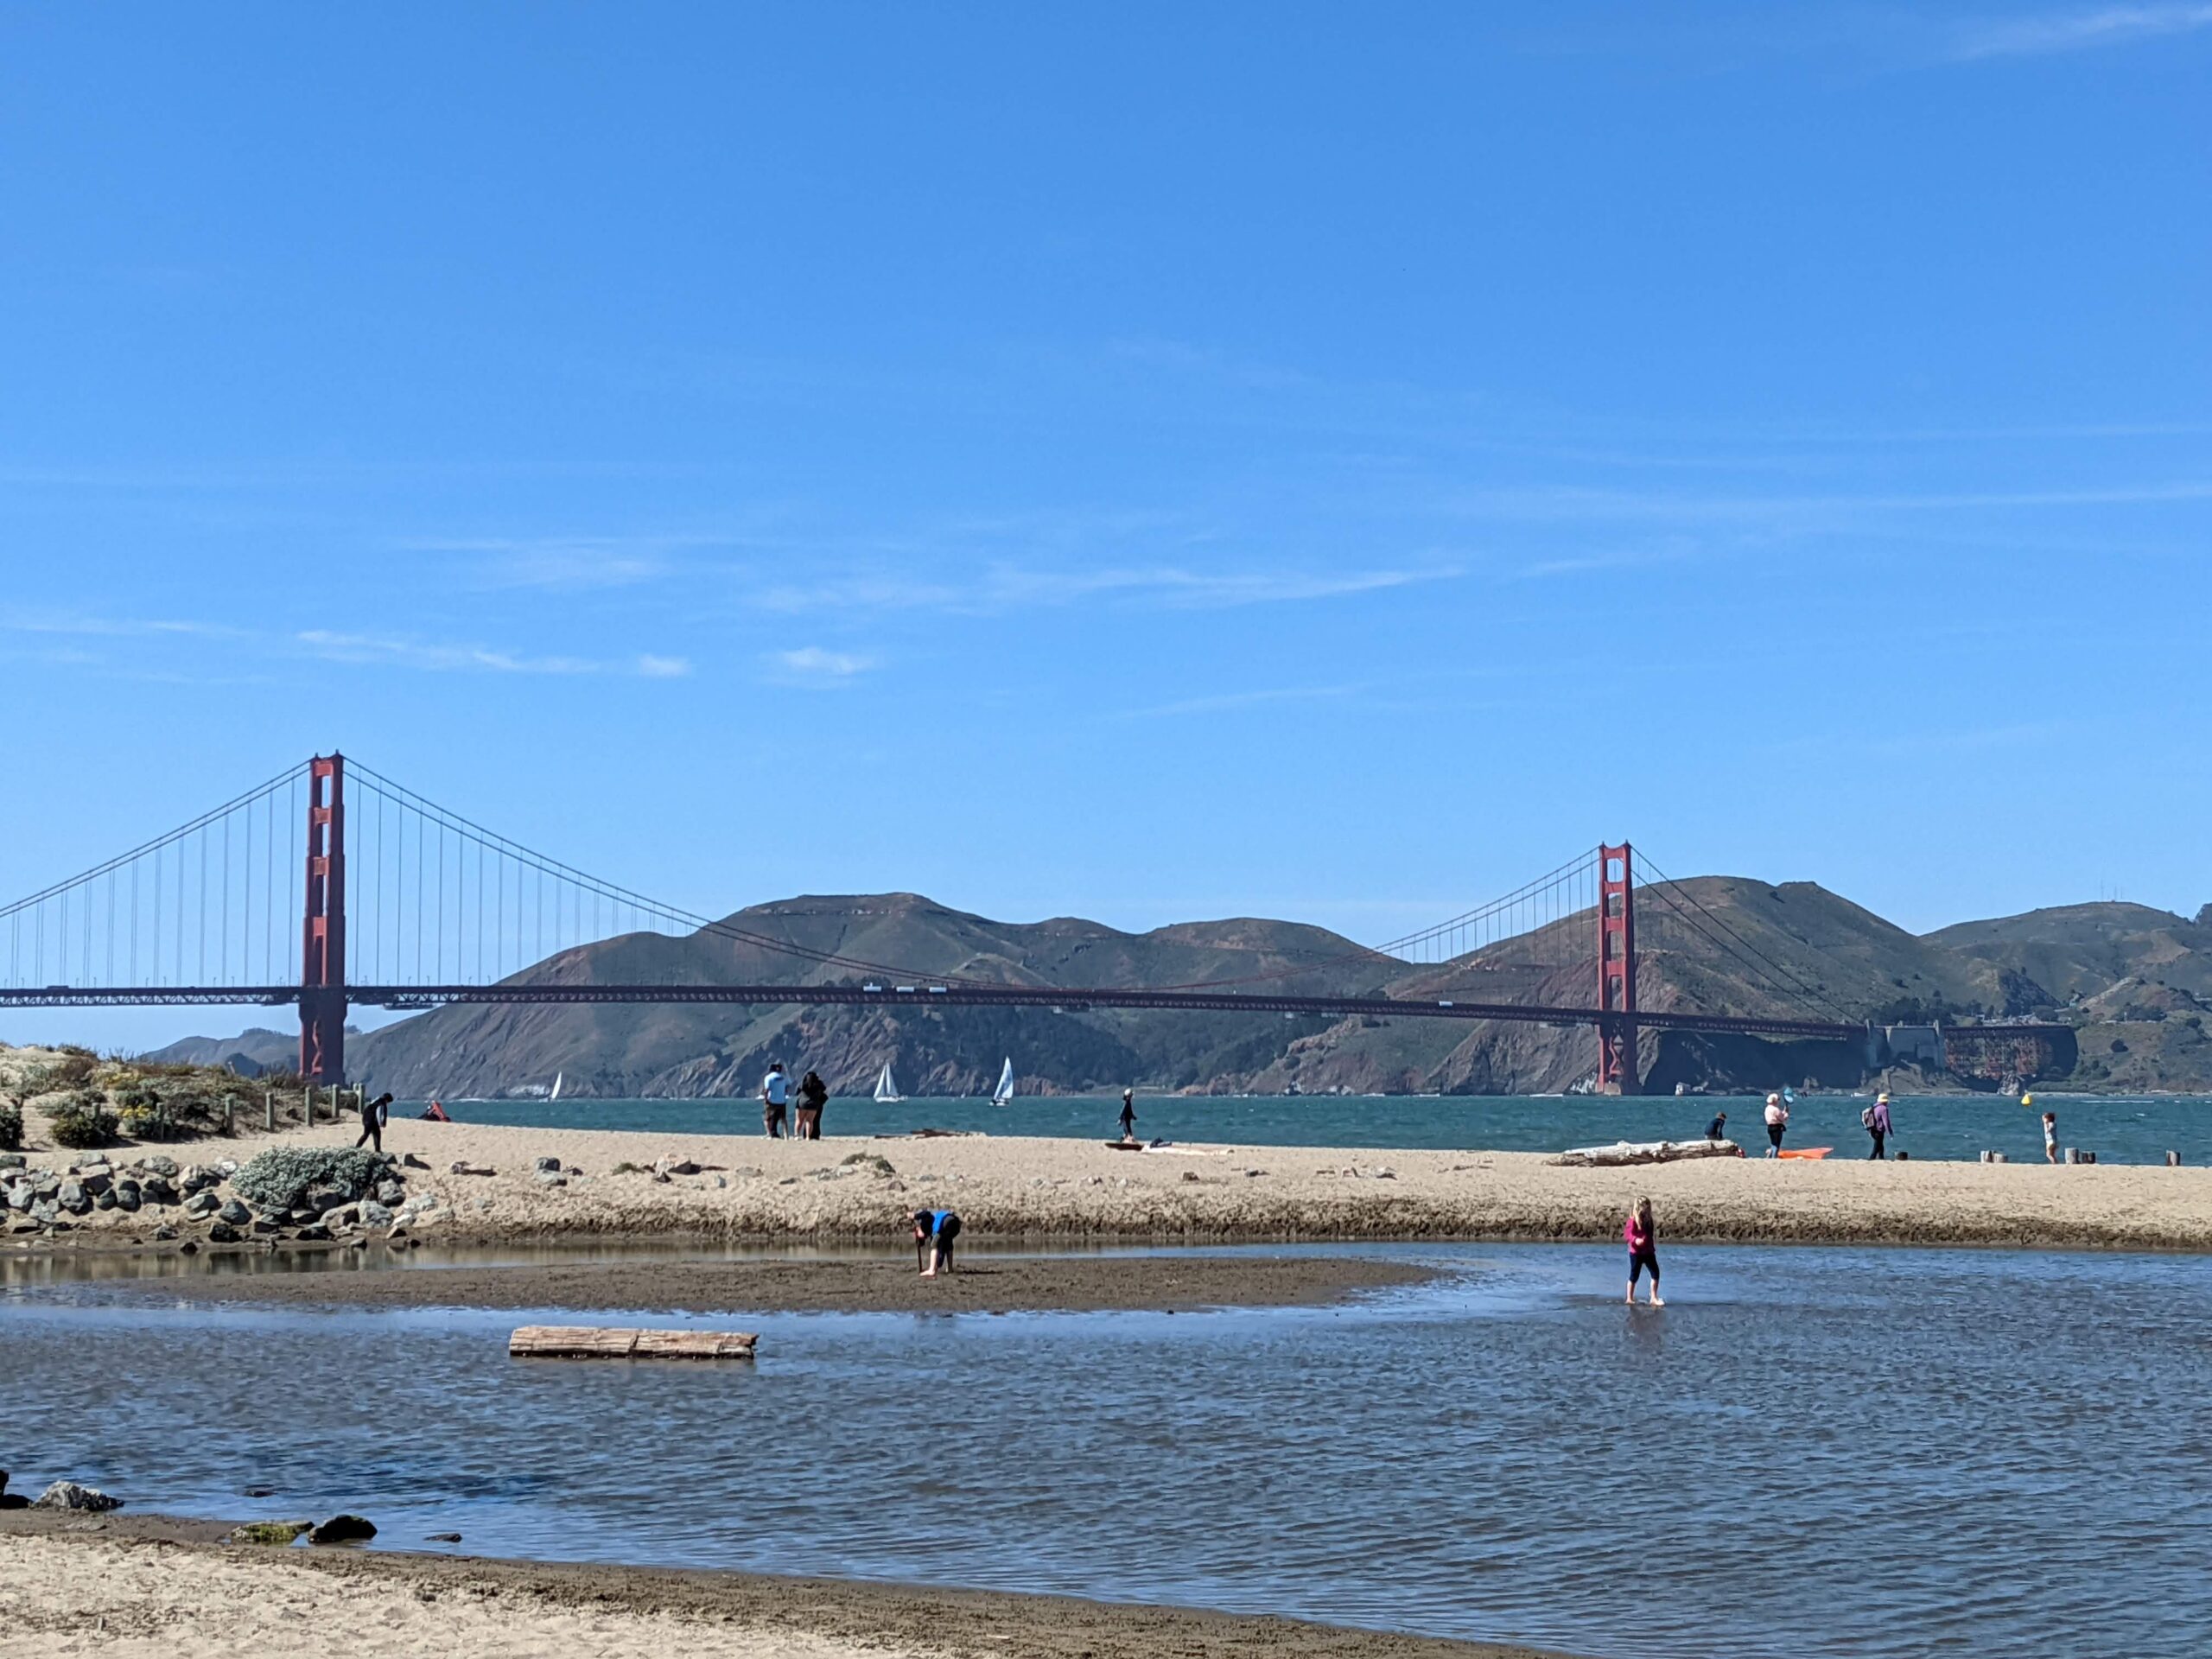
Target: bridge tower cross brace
{"x":1618,"y":1071}
{"x":322,"y":943}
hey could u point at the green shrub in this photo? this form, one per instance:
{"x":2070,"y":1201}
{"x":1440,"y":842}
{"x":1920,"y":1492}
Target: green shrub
{"x":73,"y":1070}
{"x":11,"y":1126}
{"x":279,"y":1178}
{"x":83,"y":1119}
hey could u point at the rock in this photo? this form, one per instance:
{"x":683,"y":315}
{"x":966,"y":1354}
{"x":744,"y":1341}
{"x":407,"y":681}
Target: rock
{"x":223,"y":1233}
{"x":227,"y":1168}
{"x":196,"y":1179}
{"x":46,"y":1183}
{"x":442,"y":1538}
{"x":412,"y":1162}
{"x":45,"y":1211}
{"x":126,"y":1194}
{"x":323,"y":1199}
{"x":12,"y":1161}
{"x":96,"y":1182}
{"x":374,"y":1214}
{"x":157,"y":1190}
{"x":390,"y":1193}
{"x":20,"y":1196}
{"x":58,"y":1225}
{"x":235,"y":1213}
{"x":164,"y":1232}
{"x":549,"y":1164}
{"x":301,"y":1217}
{"x":551,"y":1177}
{"x":265,"y":1228}
{"x":105,"y":1200}
{"x":679,"y":1167}
{"x":160,"y":1164}
{"x":202,"y":1204}
{"x":68,"y":1494}
{"x":314,"y":1233}
{"x":266,"y":1532}
{"x":342,"y":1529}
{"x":473,"y":1169}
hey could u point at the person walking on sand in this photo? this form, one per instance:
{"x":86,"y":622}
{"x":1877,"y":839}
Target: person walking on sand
{"x":775,"y":1093}
{"x":2050,"y":1137}
{"x":1876,"y":1123}
{"x":1128,"y":1114}
{"x":813,"y":1095}
{"x":374,"y":1116}
{"x":1642,"y":1236}
{"x":1717,"y":1129}
{"x":1777,"y":1120}
{"x":934,"y":1231}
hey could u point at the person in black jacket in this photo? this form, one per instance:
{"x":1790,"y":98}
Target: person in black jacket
{"x":374,"y":1116}
{"x":813,"y":1095}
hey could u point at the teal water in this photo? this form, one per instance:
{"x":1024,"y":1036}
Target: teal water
{"x":2120,"y":1130}
{"x":1818,"y":1454}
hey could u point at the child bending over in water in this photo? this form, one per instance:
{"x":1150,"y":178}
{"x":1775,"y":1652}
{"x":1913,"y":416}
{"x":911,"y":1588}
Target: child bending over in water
{"x":1643,"y":1240}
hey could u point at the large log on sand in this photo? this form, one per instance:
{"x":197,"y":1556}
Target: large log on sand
{"x":596,"y":1342}
{"x":1623,"y":1152}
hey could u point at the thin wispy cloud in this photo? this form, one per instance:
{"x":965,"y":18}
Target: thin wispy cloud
{"x":1005,"y":588}
{"x":2080,"y":31}
{"x":813,"y":662}
{"x":1230,"y":701}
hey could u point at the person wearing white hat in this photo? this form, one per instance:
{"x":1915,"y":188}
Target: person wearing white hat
{"x":1778,"y":1119}
{"x":1876,"y":1118}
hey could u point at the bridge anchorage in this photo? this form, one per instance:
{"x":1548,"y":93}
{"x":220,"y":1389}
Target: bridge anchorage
{"x":402,"y":904}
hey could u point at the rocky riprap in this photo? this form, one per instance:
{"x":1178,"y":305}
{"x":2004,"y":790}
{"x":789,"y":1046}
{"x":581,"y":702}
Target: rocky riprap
{"x":316,"y":1195}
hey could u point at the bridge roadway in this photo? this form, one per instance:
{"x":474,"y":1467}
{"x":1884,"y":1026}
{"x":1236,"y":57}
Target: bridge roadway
{"x":1061,"y":999}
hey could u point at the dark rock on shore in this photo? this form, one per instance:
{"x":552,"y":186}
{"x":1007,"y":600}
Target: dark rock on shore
{"x":342,"y":1529}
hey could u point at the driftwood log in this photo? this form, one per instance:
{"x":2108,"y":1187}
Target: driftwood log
{"x":597,"y":1342}
{"x":1624,"y":1153}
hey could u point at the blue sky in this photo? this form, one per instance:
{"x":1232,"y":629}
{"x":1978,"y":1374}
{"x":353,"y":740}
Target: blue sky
{"x":1138,"y":462}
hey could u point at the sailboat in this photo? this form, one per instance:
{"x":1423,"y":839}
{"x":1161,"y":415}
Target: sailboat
{"x":1003,"y":1094}
{"x":886,"y":1088}
{"x":556,"y":1093}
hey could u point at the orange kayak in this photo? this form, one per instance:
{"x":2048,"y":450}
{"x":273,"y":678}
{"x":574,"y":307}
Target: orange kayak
{"x":1808,"y":1152}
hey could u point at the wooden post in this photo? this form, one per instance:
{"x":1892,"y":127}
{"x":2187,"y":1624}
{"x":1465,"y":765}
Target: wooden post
{"x":269,"y":1105}
{"x":230,"y":1114}
{"x":307,"y":1104}
{"x":2173,"y":1160}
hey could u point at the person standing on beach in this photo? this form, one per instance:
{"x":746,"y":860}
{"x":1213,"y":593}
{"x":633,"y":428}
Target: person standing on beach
{"x":934,"y":1231}
{"x":1642,"y":1236}
{"x":1128,"y":1114}
{"x":775,"y":1093}
{"x":813,"y":1095}
{"x":2050,"y":1137}
{"x":374,"y":1116}
{"x":1877,"y":1123}
{"x":1777,"y":1120}
{"x":1717,"y":1129}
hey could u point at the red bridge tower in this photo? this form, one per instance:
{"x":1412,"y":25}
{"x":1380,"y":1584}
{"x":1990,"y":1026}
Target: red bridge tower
{"x":322,"y":943}
{"x":1617,"y":1067}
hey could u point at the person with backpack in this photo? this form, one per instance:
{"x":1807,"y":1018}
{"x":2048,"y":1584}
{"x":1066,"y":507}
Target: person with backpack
{"x":1875,"y":1120}
{"x":934,"y":1231}
{"x":813,"y":1095}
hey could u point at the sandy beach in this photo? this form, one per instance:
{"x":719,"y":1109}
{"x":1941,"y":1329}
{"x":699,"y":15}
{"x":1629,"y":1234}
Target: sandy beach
{"x":150,"y":1588}
{"x":749,"y":1188}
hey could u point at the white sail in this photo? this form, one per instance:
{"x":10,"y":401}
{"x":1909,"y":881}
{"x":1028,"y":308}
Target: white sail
{"x":886,"y":1088}
{"x":1004,"y":1092}
{"x":555,"y":1094}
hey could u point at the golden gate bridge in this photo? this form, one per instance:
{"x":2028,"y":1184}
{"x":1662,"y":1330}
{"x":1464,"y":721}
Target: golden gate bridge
{"x":294,"y":893}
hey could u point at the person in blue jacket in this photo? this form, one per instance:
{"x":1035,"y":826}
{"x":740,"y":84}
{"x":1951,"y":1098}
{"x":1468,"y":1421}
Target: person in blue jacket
{"x":934,"y":1231}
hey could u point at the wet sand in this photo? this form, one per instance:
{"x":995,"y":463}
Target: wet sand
{"x":150,"y":1588}
{"x":983,"y":1284}
{"x":753,"y":1189}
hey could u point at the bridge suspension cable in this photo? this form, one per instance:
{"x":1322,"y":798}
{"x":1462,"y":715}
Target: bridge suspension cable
{"x":1709,"y":926}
